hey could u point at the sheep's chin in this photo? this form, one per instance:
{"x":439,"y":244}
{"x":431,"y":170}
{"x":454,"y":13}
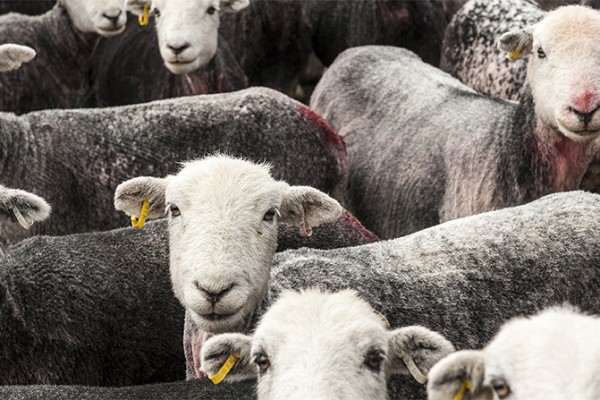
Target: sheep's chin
{"x":579,"y":137}
{"x":109,"y":33}
{"x":181,"y":68}
{"x":230,"y":323}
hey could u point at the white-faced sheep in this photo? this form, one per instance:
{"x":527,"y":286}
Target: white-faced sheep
{"x":98,"y":308}
{"x":425,"y":149}
{"x":64,"y":39}
{"x":552,"y":355}
{"x":42,"y":152}
{"x":315,"y":345}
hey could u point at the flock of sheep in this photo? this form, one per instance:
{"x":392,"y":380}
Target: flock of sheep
{"x":339,"y":217}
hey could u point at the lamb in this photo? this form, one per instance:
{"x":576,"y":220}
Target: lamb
{"x":551,"y":355}
{"x":41,"y":152}
{"x":64,"y":39}
{"x":316,"y":345}
{"x":98,"y":309}
{"x":425,"y":149}
{"x":502,"y":248}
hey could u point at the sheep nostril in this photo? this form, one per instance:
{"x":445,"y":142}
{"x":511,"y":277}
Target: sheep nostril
{"x":178,"y":49}
{"x":113,"y":18}
{"x":213,"y":296}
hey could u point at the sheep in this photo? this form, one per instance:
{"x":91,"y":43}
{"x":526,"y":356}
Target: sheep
{"x":43,"y":151}
{"x":551,"y":355}
{"x":558,"y":231}
{"x":425,"y":148}
{"x":469,"y":54}
{"x":318,"y":345}
{"x":98,"y":309}
{"x":64,"y":39}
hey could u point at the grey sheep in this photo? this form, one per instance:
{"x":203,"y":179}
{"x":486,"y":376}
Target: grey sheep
{"x":425,"y":148}
{"x":76,"y":158}
{"x":98,"y":308}
{"x":64,"y":39}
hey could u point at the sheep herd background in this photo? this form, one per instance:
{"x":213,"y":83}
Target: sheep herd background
{"x":331,"y":199}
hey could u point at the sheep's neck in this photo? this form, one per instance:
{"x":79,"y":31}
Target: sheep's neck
{"x":557,"y":163}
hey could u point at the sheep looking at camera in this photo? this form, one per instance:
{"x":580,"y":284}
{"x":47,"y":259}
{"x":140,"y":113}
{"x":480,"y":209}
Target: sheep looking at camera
{"x":430,"y":149}
{"x":64,"y":39}
{"x":315,"y":345}
{"x":551,"y":355}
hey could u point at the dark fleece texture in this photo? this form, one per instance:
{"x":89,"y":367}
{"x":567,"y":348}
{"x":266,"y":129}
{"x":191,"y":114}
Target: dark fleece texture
{"x":97,"y":308}
{"x":29,"y":7}
{"x":75,"y":158}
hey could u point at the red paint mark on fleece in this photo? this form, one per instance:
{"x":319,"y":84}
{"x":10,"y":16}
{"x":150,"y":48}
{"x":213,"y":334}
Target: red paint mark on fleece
{"x":332,"y":136}
{"x":350,"y":221}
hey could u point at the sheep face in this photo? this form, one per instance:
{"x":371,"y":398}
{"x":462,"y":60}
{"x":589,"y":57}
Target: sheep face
{"x":553,"y":355}
{"x":563,"y":69}
{"x":104,"y":17}
{"x":187,"y":29}
{"x":22,"y":207}
{"x":315,"y":345}
{"x":223,"y":217}
{"x":13,"y":55}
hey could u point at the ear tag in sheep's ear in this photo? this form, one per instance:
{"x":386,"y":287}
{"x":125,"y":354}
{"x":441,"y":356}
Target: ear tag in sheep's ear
{"x":225,"y":369}
{"x":139,"y":222}
{"x":144,"y":19}
{"x":463,"y":389}
{"x":20,"y":218}
{"x":514,"y":55}
{"x":414,"y":370}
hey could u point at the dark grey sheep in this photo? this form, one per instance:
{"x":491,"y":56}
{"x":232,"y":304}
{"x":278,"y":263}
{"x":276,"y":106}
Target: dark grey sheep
{"x":29,"y":7}
{"x":425,"y":149}
{"x":64,"y":39}
{"x":98,"y":308}
{"x":76,"y":158}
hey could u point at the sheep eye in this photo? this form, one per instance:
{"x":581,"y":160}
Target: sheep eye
{"x":502,"y":389}
{"x":373,"y":360}
{"x":211,"y":10}
{"x":174,"y":210}
{"x":262,"y":361}
{"x":541,"y":53}
{"x":269,"y":215}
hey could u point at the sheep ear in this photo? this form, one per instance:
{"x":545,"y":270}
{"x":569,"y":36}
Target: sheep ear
{"x":216,"y":352}
{"x":233,"y":5}
{"x":136,"y":7}
{"x":415,"y":349}
{"x":13,"y":55}
{"x":307,"y":207}
{"x":456,"y":374}
{"x":130,"y":196}
{"x":517,"y":43}
{"x":23,"y":207}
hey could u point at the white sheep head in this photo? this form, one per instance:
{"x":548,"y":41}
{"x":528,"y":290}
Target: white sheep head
{"x":104,"y":17}
{"x":554,"y":355}
{"x":315,"y":345}
{"x":12,"y":56}
{"x":563,"y":69}
{"x":187,"y":29}
{"x":23,"y":207}
{"x":223,"y":218}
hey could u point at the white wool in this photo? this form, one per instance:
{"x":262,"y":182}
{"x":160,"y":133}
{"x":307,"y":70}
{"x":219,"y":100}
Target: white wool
{"x":104,"y":17}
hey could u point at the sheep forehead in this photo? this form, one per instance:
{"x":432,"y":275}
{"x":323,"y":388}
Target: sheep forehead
{"x":551,"y":351}
{"x":340,"y":322}
{"x":569,"y":27}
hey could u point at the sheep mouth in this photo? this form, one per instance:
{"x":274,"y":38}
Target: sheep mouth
{"x":216,"y":317}
{"x":112,"y":31}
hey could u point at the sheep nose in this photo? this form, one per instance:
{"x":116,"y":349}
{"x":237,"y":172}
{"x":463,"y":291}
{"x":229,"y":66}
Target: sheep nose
{"x":178,"y":49}
{"x":113,"y":16}
{"x":584,"y":117}
{"x":213,"y":296}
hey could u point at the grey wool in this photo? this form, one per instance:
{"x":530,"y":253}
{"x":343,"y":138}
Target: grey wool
{"x":76,"y":158}
{"x":98,"y":308}
{"x":424,"y":149}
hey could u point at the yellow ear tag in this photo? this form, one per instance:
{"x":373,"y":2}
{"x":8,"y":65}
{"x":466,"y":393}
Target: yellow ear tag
{"x":463,"y":389}
{"x":139,"y":222}
{"x":222,"y":374}
{"x":145,"y":18}
{"x":514,"y":55}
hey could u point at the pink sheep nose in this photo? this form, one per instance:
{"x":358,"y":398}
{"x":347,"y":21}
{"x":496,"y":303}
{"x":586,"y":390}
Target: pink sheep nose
{"x":584,"y":116}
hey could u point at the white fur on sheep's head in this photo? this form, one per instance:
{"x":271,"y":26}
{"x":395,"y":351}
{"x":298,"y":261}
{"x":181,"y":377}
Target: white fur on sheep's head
{"x":554,"y":355}
{"x":315,"y":345}
{"x":563,"y":69}
{"x":223,"y":217}
{"x":104,"y":17}
{"x":23,"y":207}
{"x":187,"y":29}
{"x":13,"y":55}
